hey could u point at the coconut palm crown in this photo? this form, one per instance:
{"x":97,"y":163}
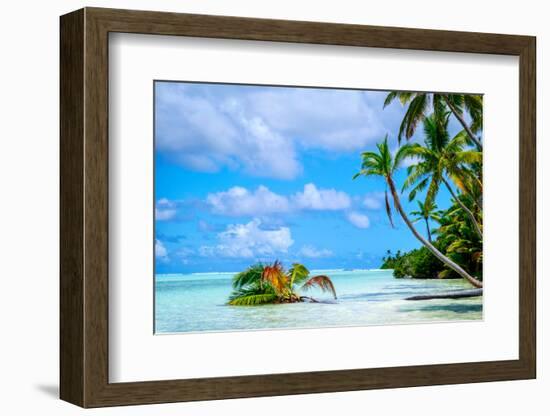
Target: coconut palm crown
{"x":419,"y":105}
{"x":427,"y":211}
{"x":443,"y":161}
{"x":271,"y":283}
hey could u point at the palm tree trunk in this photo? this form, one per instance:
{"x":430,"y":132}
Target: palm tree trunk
{"x":463,"y":122}
{"x":438,"y":254}
{"x":428,"y":230}
{"x":465,"y":208}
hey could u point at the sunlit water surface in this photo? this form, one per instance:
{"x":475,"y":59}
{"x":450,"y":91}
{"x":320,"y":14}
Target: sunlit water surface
{"x":197,"y":302}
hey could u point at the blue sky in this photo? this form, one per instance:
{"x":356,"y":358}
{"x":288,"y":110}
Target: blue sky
{"x":254,"y":173}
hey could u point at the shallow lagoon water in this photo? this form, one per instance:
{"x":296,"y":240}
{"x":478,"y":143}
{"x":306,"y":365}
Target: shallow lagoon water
{"x":197,"y":302}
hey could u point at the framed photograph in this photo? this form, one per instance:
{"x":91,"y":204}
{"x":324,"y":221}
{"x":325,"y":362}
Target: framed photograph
{"x":255,"y":207}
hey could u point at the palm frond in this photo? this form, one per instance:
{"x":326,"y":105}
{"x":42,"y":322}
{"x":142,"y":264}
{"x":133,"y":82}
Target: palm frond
{"x":469,"y":156}
{"x":433,"y":189}
{"x":439,"y":105}
{"x":458,"y":181}
{"x":418,"y":188}
{"x":459,"y":246}
{"x":275,"y":276}
{"x":457,"y":101}
{"x":385,"y":157}
{"x":372,"y":164}
{"x":474,"y":105}
{"x":249,"y":276}
{"x":477,"y":125}
{"x":362,"y":172}
{"x":322,"y":282}
{"x":297,"y":274}
{"x":415,"y":113}
{"x":402,"y":153}
{"x":458,"y":142}
{"x":436,"y":130}
{"x":253,"y":300}
{"x":389,"y":98}
{"x":416,"y":173}
{"x":405,"y":97}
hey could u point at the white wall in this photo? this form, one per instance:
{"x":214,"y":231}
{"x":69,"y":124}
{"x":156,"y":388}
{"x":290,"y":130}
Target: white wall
{"x":29,"y":209}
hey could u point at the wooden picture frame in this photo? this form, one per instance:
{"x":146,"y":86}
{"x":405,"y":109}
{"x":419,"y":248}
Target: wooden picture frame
{"x":84,"y":207}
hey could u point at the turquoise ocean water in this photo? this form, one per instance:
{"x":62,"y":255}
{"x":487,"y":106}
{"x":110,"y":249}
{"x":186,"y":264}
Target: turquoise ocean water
{"x":196,"y":302}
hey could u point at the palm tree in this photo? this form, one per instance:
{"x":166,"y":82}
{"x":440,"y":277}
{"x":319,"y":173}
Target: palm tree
{"x":427,"y":211}
{"x":419,"y":103}
{"x":383,"y":164}
{"x":441,"y":158}
{"x":262,"y":284}
{"x":474,"y":105}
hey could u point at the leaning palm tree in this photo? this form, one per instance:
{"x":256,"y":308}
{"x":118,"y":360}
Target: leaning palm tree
{"x":271,"y":283}
{"x":383,"y":164}
{"x":440,"y":161}
{"x":419,"y":105}
{"x":427,"y":211}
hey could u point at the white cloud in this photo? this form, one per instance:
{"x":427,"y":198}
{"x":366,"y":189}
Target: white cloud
{"x":261,"y":130}
{"x":314,"y":253}
{"x":329,"y":119}
{"x":373,"y":200}
{"x":160,"y":251}
{"x":250,"y":240}
{"x":165,"y":210}
{"x":321,"y":199}
{"x":262,"y":150}
{"x":261,"y":202}
{"x":205,"y":133}
{"x":358,"y":219}
{"x":238,"y":201}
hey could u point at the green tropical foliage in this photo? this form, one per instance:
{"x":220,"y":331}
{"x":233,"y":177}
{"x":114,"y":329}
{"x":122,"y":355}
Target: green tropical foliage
{"x":460,"y":241}
{"x":444,"y":161}
{"x":420,"y":103}
{"x":419,"y":263}
{"x":455,"y":238}
{"x":270,"y":283}
{"x":440,"y":161}
{"x":426,"y":211}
